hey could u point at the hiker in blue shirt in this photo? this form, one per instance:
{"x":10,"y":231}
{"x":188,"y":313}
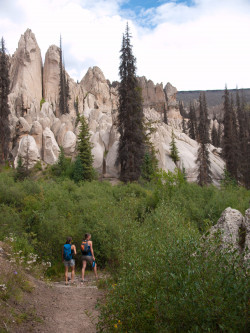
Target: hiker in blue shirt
{"x":68,"y":252}
{"x":88,"y":255}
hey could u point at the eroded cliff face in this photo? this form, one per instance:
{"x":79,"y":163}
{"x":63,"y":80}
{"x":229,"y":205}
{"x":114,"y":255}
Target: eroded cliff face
{"x":43,"y":129}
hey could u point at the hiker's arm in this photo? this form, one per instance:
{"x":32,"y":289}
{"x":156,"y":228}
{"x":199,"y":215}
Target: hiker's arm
{"x":74,"y":249}
{"x":92,"y":251}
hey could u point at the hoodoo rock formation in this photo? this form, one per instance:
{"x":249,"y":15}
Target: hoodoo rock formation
{"x":45,"y":129}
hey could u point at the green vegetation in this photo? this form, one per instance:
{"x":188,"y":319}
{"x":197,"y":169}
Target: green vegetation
{"x":164,"y":276}
{"x":41,"y":102}
{"x":174,"y":150}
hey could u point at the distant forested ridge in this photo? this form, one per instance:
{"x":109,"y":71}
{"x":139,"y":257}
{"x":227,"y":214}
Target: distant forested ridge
{"x":214,"y":97}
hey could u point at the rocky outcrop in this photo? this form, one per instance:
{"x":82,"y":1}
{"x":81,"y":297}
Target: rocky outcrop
{"x":234,"y":231}
{"x":229,"y":225}
{"x":26,"y":76}
{"x":51,"y":75}
{"x":94,"y":83}
{"x":153,"y":96}
{"x":97,"y":99}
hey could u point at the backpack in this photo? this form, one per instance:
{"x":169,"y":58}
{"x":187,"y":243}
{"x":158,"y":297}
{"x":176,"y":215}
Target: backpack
{"x":85,"y":247}
{"x":67,"y":252}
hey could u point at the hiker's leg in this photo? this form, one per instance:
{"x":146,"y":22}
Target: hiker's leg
{"x":84,"y":263}
{"x":66,"y":273}
{"x":95,"y":271}
{"x":72,"y":273}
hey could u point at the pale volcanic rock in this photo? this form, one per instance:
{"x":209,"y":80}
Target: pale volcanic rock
{"x":56,"y":126}
{"x":229,"y":225}
{"x":51,"y":74}
{"x":171,"y":93}
{"x":187,"y":148}
{"x":247,"y":235}
{"x":153,"y":96}
{"x":26,"y":72}
{"x":50,"y":147}
{"x":37,"y":133}
{"x":95,"y":83}
{"x":23,"y":126}
{"x":69,"y":143}
{"x":28,"y":151}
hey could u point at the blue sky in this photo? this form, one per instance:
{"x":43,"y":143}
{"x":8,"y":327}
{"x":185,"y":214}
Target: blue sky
{"x":198,"y":44}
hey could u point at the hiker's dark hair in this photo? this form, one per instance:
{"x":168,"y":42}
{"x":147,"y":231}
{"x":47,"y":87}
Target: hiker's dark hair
{"x":87,"y":236}
{"x":68,"y":240}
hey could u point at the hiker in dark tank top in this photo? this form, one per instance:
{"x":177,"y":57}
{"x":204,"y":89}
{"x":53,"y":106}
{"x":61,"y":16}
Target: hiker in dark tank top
{"x":68,"y":252}
{"x":88,"y":255}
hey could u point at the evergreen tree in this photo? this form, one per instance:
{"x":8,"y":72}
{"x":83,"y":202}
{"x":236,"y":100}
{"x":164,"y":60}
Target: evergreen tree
{"x":219,"y":134}
{"x":150,"y":163}
{"x":130,"y":119}
{"x":78,"y":170}
{"x":60,"y":167}
{"x":229,"y":145}
{"x":84,"y":152}
{"x":203,"y":128}
{"x":184,"y":129}
{"x":244,"y":140}
{"x":203,"y":161}
{"x":174,"y":150}
{"x":4,"y":106}
{"x":165,"y":119}
{"x":64,"y":95}
{"x":214,"y":136}
{"x":192,"y":123}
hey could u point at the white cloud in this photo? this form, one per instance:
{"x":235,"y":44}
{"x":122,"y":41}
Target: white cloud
{"x":202,"y":46}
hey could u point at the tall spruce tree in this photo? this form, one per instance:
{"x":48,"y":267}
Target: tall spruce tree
{"x":84,"y":153}
{"x":203,"y":161}
{"x":244,"y":140}
{"x":229,"y":144}
{"x":192,"y":123}
{"x":130,"y":119}
{"x":165,"y":119}
{"x":214,"y":136}
{"x":4,"y":106}
{"x":174,"y":153}
{"x":64,"y":95}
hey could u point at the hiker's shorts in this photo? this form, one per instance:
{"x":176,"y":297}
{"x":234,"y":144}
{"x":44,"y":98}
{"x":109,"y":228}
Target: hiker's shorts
{"x":69,"y":263}
{"x":88,"y":259}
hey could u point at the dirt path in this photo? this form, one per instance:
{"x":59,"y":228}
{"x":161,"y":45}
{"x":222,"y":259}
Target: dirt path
{"x":69,"y":308}
{"x":49,"y":307}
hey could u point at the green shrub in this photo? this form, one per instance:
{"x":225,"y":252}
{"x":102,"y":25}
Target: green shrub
{"x":170,"y":282}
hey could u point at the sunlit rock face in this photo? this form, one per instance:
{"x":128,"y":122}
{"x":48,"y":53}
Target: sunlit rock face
{"x":26,"y":75}
{"x":96,"y":99}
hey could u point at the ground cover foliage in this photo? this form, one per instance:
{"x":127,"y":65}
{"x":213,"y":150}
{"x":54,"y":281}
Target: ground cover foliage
{"x":164,"y":277}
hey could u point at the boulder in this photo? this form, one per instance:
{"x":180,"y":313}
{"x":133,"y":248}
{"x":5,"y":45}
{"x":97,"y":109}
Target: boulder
{"x":50,"y":147}
{"x":28,"y":151}
{"x":247,"y":235}
{"x":230,"y":226}
{"x":69,"y":143}
{"x":37,"y":133}
{"x":22,"y":127}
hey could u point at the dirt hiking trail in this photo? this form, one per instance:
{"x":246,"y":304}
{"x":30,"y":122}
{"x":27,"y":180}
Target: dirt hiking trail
{"x":69,"y":308}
